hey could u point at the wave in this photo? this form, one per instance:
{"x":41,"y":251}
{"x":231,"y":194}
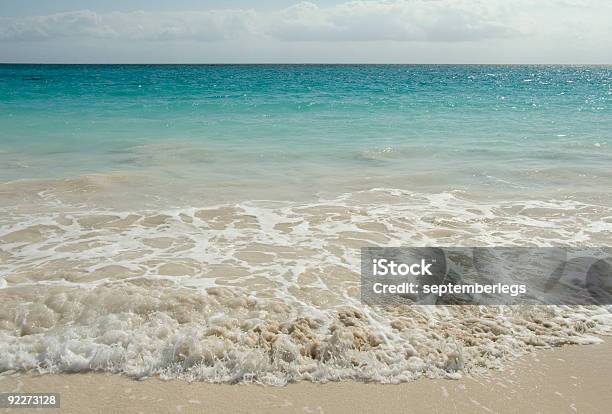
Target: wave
{"x":268,"y":292}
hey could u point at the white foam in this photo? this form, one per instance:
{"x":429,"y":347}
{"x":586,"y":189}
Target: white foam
{"x":269,"y":291}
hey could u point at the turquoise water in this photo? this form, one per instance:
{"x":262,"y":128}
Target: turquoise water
{"x":324,"y":129}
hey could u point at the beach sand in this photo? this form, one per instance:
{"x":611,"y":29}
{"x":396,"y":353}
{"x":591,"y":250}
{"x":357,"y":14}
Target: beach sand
{"x":571,"y":379}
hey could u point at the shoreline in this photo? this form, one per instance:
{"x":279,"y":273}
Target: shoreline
{"x":569,"y":379}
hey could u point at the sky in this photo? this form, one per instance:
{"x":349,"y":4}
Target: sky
{"x":285,"y":31}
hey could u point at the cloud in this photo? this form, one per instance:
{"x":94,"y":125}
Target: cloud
{"x":389,"y":20}
{"x":375,"y":20}
{"x":138,"y":25}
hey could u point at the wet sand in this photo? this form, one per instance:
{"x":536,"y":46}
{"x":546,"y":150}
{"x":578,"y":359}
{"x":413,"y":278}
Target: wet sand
{"x":571,"y":379}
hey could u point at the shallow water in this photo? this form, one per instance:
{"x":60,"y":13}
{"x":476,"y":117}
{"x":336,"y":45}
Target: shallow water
{"x":204,"y":222}
{"x":248,"y":131}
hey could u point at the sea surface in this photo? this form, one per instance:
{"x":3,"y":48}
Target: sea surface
{"x":203,"y":222}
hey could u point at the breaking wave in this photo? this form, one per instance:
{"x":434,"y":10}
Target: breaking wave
{"x":268,"y":292}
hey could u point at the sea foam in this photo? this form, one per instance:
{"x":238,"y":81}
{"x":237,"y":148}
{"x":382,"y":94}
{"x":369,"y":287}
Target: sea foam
{"x":268,"y":292}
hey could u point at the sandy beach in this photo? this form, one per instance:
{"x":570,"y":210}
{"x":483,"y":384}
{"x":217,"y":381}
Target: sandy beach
{"x":571,"y":379}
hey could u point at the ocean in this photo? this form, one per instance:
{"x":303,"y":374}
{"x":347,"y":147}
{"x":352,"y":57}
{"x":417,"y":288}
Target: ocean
{"x":204,"y":222}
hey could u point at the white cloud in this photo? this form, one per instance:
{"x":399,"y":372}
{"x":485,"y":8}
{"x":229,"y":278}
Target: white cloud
{"x":353,"y":31}
{"x":138,"y":25}
{"x":390,"y":20}
{"x":375,"y":20}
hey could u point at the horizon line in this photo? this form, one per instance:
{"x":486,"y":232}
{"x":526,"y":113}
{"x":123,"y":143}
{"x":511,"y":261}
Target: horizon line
{"x":304,"y":63}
